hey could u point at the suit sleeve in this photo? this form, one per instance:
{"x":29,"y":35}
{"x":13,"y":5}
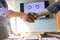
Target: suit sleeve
{"x":54,"y":8}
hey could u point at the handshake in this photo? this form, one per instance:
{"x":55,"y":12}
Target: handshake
{"x":30,"y":17}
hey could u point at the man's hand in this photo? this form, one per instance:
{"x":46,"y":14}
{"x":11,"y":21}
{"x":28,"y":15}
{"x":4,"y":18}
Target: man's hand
{"x":30,"y":17}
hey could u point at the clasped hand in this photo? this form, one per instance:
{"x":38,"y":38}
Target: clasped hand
{"x":30,"y":17}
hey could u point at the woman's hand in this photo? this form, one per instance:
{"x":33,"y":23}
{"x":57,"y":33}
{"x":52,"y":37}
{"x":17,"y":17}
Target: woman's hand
{"x":30,"y":17}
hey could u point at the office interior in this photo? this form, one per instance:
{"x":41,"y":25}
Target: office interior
{"x":21,"y":30}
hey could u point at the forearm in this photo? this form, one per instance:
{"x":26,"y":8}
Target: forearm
{"x":14,"y":14}
{"x":43,"y":12}
{"x":53,"y":8}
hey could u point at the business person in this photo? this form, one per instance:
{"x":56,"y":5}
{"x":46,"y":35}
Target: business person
{"x":5,"y":14}
{"x":3,"y":20}
{"x":53,"y":8}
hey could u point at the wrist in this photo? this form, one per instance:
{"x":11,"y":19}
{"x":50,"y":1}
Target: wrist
{"x":22,"y":15}
{"x":43,"y":12}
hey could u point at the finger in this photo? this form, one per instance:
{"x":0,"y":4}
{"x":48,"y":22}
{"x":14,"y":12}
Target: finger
{"x":29,"y":20}
{"x":32,"y":15}
{"x":32,"y":19}
{"x":35,"y":15}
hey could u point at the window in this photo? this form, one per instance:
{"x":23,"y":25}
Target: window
{"x":18,"y":25}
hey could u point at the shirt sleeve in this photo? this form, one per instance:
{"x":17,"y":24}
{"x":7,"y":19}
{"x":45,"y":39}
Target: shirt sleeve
{"x":54,"y":8}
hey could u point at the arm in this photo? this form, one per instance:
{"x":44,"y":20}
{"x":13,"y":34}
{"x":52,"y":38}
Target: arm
{"x":53,"y":8}
{"x":14,"y":14}
{"x":43,"y":12}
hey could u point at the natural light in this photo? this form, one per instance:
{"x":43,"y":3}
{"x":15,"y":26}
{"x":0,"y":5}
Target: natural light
{"x":18,"y":25}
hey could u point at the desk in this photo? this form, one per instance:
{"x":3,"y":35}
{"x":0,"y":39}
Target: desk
{"x":15,"y":38}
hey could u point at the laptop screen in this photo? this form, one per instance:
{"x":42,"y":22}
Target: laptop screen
{"x":34,"y":7}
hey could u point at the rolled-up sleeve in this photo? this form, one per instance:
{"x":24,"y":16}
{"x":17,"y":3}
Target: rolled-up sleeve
{"x":54,"y":8}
